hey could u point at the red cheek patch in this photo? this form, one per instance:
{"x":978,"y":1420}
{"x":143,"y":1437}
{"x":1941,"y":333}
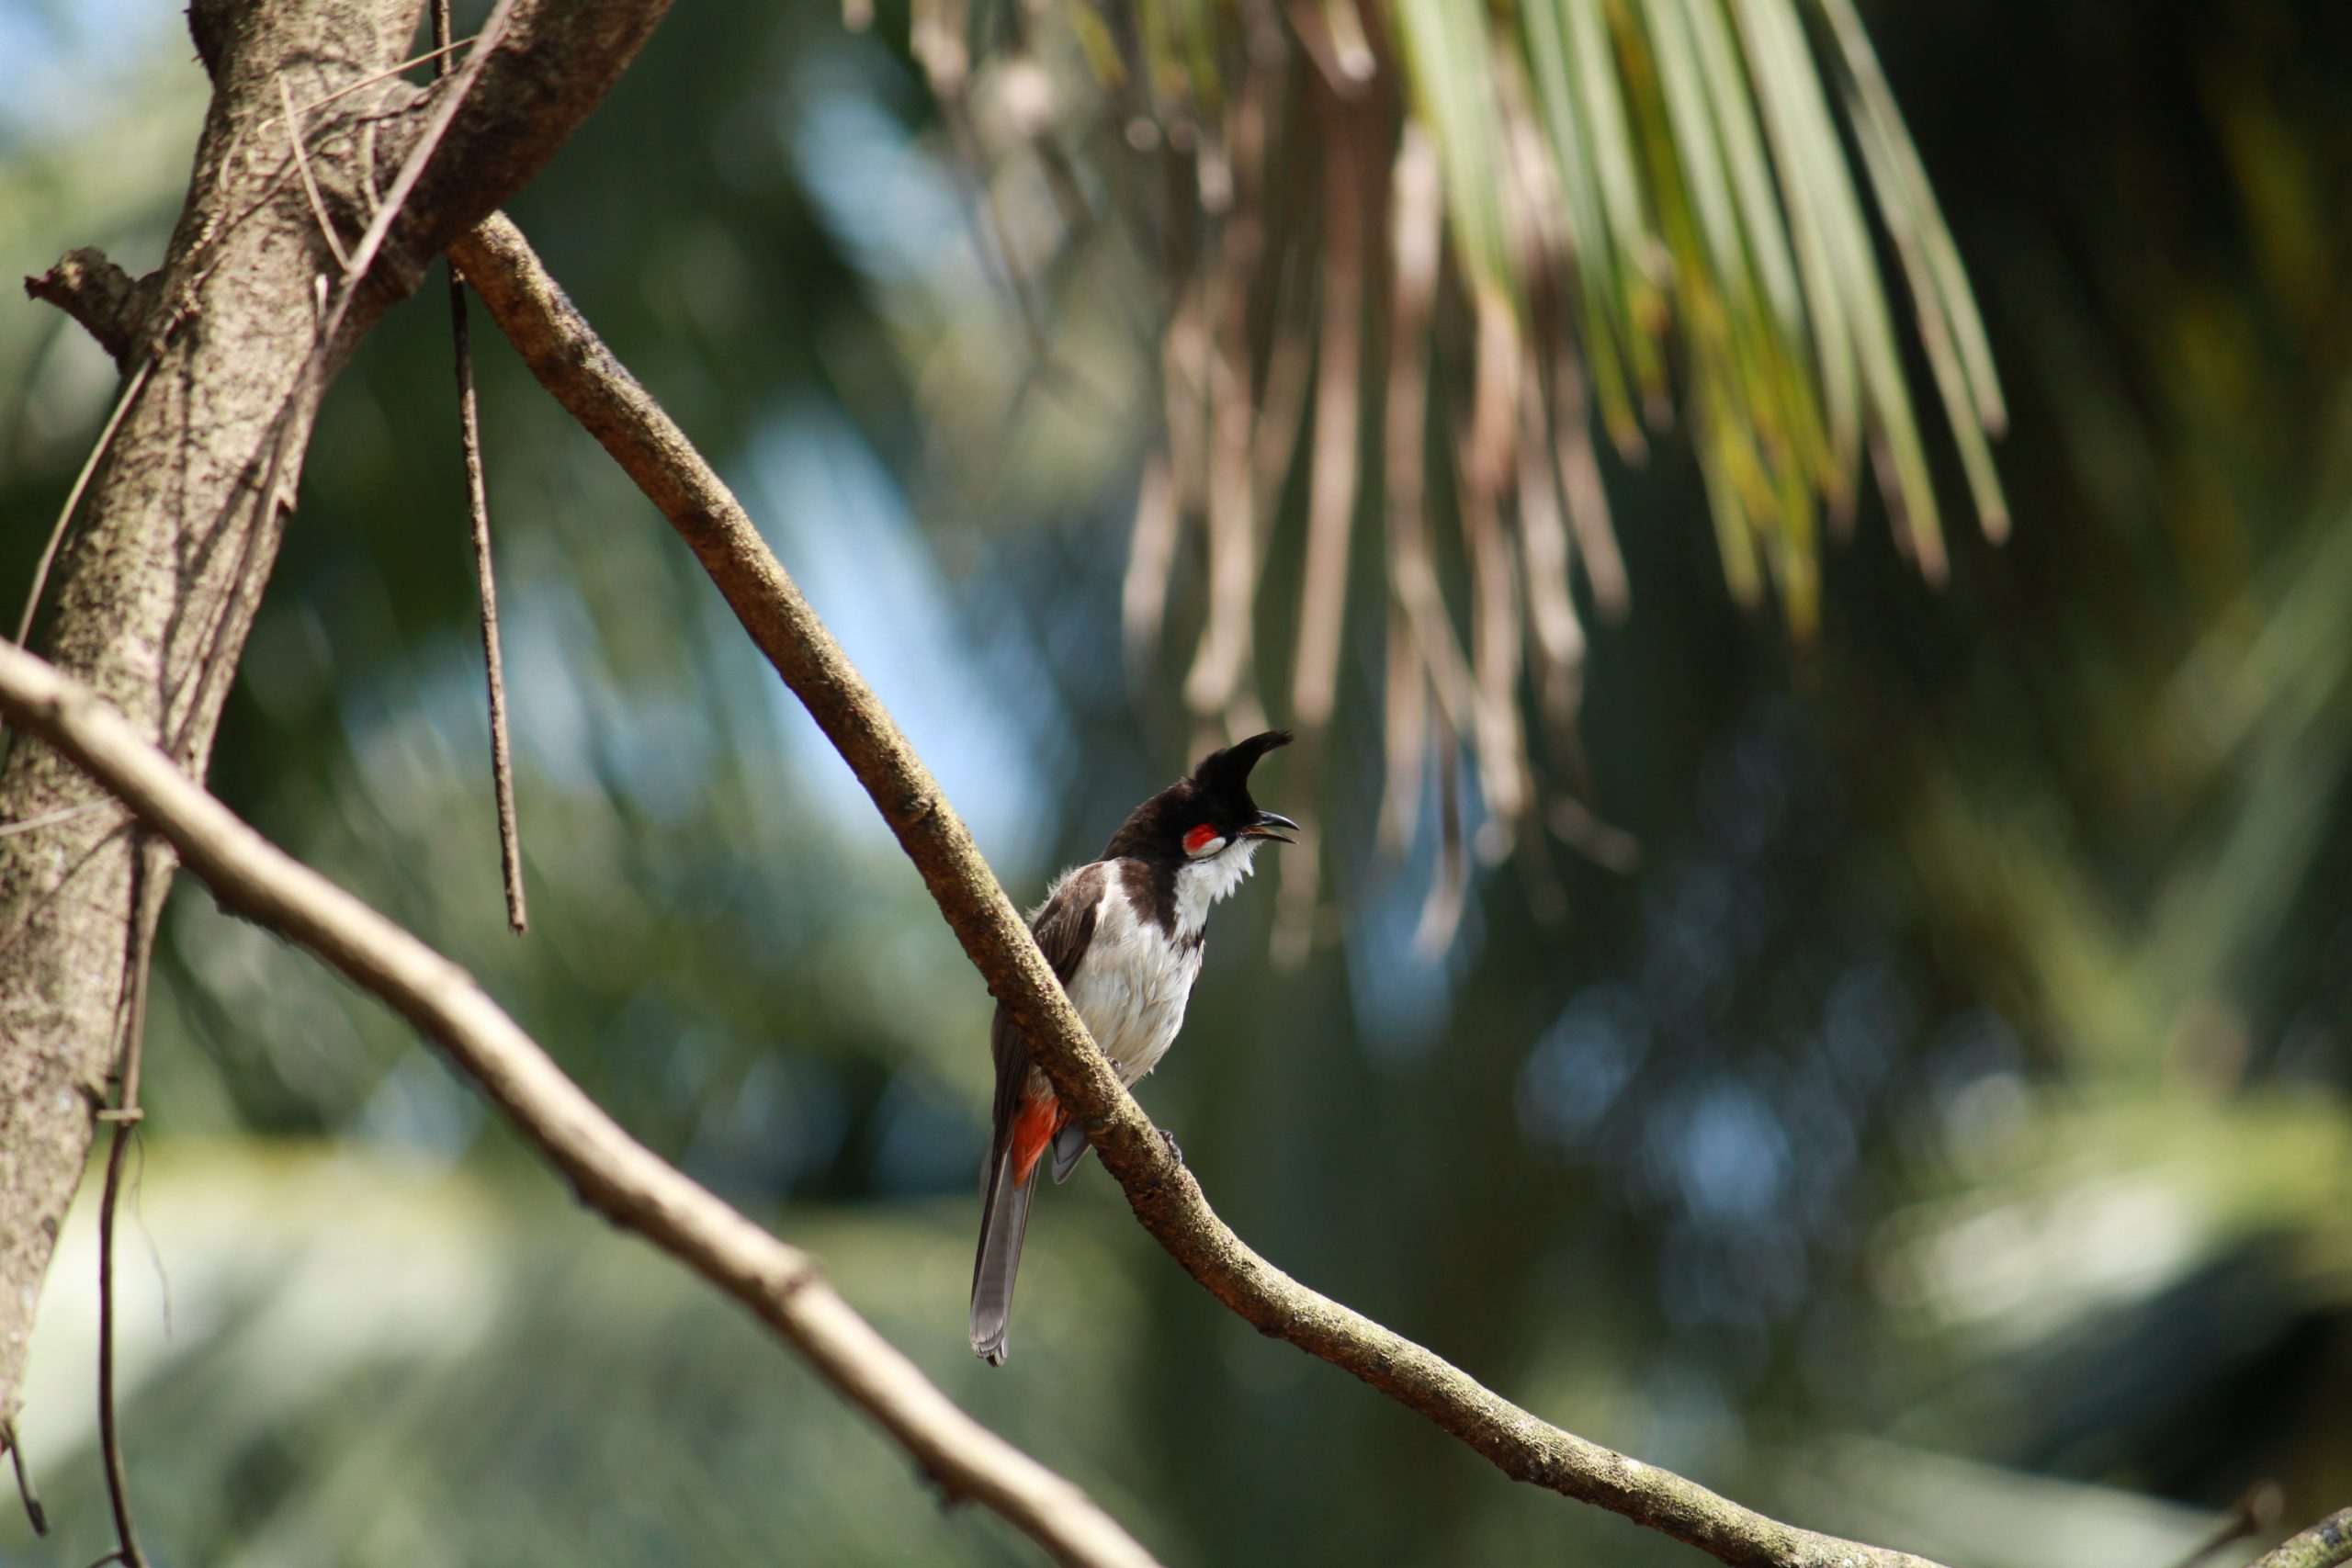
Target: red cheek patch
{"x":1200,"y":838}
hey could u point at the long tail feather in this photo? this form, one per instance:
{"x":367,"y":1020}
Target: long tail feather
{"x":1004,"y":1220}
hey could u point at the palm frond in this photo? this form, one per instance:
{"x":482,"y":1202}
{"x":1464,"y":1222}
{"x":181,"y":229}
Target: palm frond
{"x":1523,"y":229}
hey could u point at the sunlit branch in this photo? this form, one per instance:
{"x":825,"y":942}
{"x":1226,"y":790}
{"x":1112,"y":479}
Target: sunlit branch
{"x":613,"y":1172}
{"x":569,"y":358}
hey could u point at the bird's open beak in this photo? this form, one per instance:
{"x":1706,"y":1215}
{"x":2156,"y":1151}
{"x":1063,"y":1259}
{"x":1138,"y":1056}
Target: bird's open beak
{"x":1271,"y":825}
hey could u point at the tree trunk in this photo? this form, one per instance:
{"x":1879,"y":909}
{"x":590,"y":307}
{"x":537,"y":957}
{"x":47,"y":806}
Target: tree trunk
{"x":148,"y":606}
{"x":158,"y":585}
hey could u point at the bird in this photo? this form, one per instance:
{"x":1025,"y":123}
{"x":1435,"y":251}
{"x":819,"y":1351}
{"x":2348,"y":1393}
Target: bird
{"x":1124,"y":934}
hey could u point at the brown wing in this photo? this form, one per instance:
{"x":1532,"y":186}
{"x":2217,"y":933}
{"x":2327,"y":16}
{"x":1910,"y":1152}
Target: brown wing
{"x":1063,"y":929}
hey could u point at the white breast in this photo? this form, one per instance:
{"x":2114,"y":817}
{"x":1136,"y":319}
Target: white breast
{"x":1134,"y":980}
{"x":1203,"y":882}
{"x":1132,"y":984}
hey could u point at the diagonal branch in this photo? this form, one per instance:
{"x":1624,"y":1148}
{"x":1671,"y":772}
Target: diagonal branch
{"x":2325,"y":1545}
{"x":617,"y":1175}
{"x":568,"y":357}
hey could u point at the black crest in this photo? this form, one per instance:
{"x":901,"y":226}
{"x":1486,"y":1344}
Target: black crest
{"x":1223,"y":777}
{"x":1217,"y":792}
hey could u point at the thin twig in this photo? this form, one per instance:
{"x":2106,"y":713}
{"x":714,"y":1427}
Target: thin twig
{"x":502,"y":756}
{"x":51,"y":818}
{"x":384,"y":76}
{"x":151,"y":884}
{"x":34,"y":1512}
{"x":309,"y":184}
{"x":564,"y":352}
{"x":613,"y":1173}
{"x":109,"y":1436}
{"x":74,"y":497}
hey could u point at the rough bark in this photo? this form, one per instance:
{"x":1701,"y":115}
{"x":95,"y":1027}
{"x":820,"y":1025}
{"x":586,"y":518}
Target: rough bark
{"x":111,"y":305}
{"x":157,"y":587}
{"x":2326,"y":1544}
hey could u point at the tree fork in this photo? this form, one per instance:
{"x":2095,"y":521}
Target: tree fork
{"x":161,"y":577}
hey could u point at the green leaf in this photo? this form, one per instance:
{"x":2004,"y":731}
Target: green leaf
{"x":1449,"y":60}
{"x":1903,"y":190}
{"x":1734,"y":113}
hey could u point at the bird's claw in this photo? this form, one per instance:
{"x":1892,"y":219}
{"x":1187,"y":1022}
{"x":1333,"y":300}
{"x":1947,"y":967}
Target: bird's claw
{"x":1175,"y":1151}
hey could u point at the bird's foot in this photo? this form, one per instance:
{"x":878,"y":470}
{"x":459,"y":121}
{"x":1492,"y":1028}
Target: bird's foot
{"x":1175,"y":1151}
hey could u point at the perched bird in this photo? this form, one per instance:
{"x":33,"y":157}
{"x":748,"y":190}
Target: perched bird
{"x":1124,"y":934}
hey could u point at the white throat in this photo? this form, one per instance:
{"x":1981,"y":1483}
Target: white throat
{"x":1201,"y":883}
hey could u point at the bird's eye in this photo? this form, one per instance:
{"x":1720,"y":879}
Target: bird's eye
{"x":1204,"y":839}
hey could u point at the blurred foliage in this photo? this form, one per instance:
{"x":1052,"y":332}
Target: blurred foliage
{"x":1939,"y":1136}
{"x":388,"y":1364}
{"x":1418,"y":255}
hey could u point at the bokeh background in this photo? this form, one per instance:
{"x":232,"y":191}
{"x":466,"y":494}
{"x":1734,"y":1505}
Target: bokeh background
{"x":1938,"y":1134}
